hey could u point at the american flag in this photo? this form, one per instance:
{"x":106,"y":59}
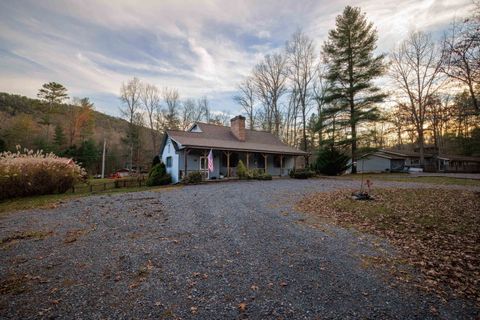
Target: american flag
{"x":210,"y":161}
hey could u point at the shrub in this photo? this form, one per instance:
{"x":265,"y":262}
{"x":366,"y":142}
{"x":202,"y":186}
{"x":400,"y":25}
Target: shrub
{"x":158,"y":176}
{"x":242,"y":171}
{"x":264,"y":176}
{"x":301,"y":174}
{"x":331,"y":162}
{"x":30,"y":173}
{"x":156,"y":160}
{"x":193,"y":178}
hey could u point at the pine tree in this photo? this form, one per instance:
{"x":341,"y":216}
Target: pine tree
{"x":352,"y":67}
{"x":59,"y":138}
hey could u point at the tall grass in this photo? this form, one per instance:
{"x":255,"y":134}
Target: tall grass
{"x":27,"y":172}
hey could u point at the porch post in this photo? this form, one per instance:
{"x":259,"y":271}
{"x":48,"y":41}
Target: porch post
{"x":206,"y":173}
{"x":227,"y":153}
{"x":281,"y":165}
{"x":265,"y":159}
{"x":248,"y":156}
{"x":185,"y":155}
{"x":294,"y":163}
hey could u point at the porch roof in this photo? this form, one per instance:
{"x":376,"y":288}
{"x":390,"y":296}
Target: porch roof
{"x":221,"y":137}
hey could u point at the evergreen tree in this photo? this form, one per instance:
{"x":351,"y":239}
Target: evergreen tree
{"x":352,"y":67}
{"x":59,"y":138}
{"x":52,"y":93}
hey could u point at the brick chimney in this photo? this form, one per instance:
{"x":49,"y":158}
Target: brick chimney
{"x":237,"y":125}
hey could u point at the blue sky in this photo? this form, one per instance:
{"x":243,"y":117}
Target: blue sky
{"x":200,"y":47}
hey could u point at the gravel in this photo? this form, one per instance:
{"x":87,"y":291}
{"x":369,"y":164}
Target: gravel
{"x":232,"y":250}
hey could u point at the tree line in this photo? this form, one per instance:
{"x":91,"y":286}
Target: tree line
{"x":347,"y":95}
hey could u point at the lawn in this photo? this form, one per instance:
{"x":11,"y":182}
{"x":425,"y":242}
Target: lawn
{"x":405,"y":177}
{"x":436,"y":231}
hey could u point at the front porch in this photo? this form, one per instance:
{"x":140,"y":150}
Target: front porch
{"x":225,"y":163}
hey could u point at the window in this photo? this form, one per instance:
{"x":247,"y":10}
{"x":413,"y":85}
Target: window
{"x":169,"y":162}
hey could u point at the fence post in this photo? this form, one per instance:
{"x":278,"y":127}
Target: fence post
{"x":104,"y":186}
{"x":73,"y":189}
{"x":91,"y":188}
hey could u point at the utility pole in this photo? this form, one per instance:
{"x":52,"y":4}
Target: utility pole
{"x":103,"y":157}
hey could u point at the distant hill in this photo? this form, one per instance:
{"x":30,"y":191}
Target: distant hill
{"x":22,"y":122}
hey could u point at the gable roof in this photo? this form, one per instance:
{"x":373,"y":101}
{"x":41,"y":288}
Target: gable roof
{"x":221,"y":137}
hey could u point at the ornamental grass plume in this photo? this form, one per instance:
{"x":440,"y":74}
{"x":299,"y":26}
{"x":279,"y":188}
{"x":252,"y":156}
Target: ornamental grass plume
{"x":27,"y":172}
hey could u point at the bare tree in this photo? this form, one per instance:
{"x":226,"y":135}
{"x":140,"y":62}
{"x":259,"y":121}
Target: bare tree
{"x":320,"y":89}
{"x":415,"y":68}
{"x":246,"y":98}
{"x":301,"y":64}
{"x":204,"y":107}
{"x":171,"y":97}
{"x":190,"y":113}
{"x":461,"y":55}
{"x":130,"y":97}
{"x":270,"y":81}
{"x":150,"y":98}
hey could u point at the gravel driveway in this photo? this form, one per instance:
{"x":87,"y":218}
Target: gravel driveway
{"x":232,"y":250}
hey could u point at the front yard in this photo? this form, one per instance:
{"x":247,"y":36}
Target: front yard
{"x":437,"y":230}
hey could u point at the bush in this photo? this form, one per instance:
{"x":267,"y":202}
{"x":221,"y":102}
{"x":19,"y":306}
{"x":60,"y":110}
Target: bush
{"x":302,"y":174}
{"x":156,"y":160}
{"x":264,"y":176}
{"x":331,"y":162}
{"x":31,"y":173}
{"x":242,"y":171}
{"x":193,"y":178}
{"x":158,"y":176}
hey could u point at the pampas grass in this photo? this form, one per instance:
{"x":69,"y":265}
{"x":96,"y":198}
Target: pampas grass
{"x":27,"y":172}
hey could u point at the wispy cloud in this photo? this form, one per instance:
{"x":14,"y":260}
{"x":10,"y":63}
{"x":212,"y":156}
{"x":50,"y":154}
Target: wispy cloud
{"x":200,"y":47}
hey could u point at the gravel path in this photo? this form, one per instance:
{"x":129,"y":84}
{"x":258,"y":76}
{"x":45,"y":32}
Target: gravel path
{"x":232,"y":250}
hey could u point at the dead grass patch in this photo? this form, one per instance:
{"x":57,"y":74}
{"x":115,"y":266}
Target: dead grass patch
{"x":437,"y":231}
{"x":25,"y":235}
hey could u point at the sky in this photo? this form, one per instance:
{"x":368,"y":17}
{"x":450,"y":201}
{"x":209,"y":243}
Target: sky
{"x":202,"y":48}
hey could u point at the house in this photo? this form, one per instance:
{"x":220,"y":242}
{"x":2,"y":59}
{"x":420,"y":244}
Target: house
{"x":398,"y":160}
{"x":187,"y":151}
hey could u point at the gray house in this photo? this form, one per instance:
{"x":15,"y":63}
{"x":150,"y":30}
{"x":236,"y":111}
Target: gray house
{"x":393,"y":160}
{"x":187,"y":151}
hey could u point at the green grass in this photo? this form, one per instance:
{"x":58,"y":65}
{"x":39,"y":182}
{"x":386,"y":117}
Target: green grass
{"x":51,"y":200}
{"x":405,"y":177}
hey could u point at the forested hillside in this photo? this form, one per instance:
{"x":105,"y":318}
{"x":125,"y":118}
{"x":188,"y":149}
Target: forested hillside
{"x":70,"y":129}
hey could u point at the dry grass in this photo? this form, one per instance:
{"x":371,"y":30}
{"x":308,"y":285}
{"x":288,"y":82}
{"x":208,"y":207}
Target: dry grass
{"x":405,"y":177}
{"x":436,"y":230}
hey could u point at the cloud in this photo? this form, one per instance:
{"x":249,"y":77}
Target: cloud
{"x":199,"y":47}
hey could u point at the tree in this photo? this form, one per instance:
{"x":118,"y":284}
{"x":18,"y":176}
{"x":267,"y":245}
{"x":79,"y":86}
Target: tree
{"x":59,"y":137}
{"x":331,"y":162}
{"x":170,"y":113}
{"x":52,"y":93}
{"x":150,"y":98}
{"x":130,"y":97}
{"x":352,"y":67}
{"x":80,"y":118}
{"x":246,"y":99}
{"x":190,"y":113}
{"x":270,"y":77}
{"x":415,"y":68}
{"x":461,"y":54}
{"x":301,"y":60}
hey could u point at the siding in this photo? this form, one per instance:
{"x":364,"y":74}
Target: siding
{"x":373,"y":164}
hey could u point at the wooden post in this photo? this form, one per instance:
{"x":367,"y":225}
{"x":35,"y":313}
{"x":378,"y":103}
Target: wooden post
{"x":294,"y":163}
{"x":265,"y":159}
{"x":205,"y":155}
{"x":248,"y":156}
{"x":281,"y":165}
{"x":185,"y":155}
{"x":227,"y":153}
